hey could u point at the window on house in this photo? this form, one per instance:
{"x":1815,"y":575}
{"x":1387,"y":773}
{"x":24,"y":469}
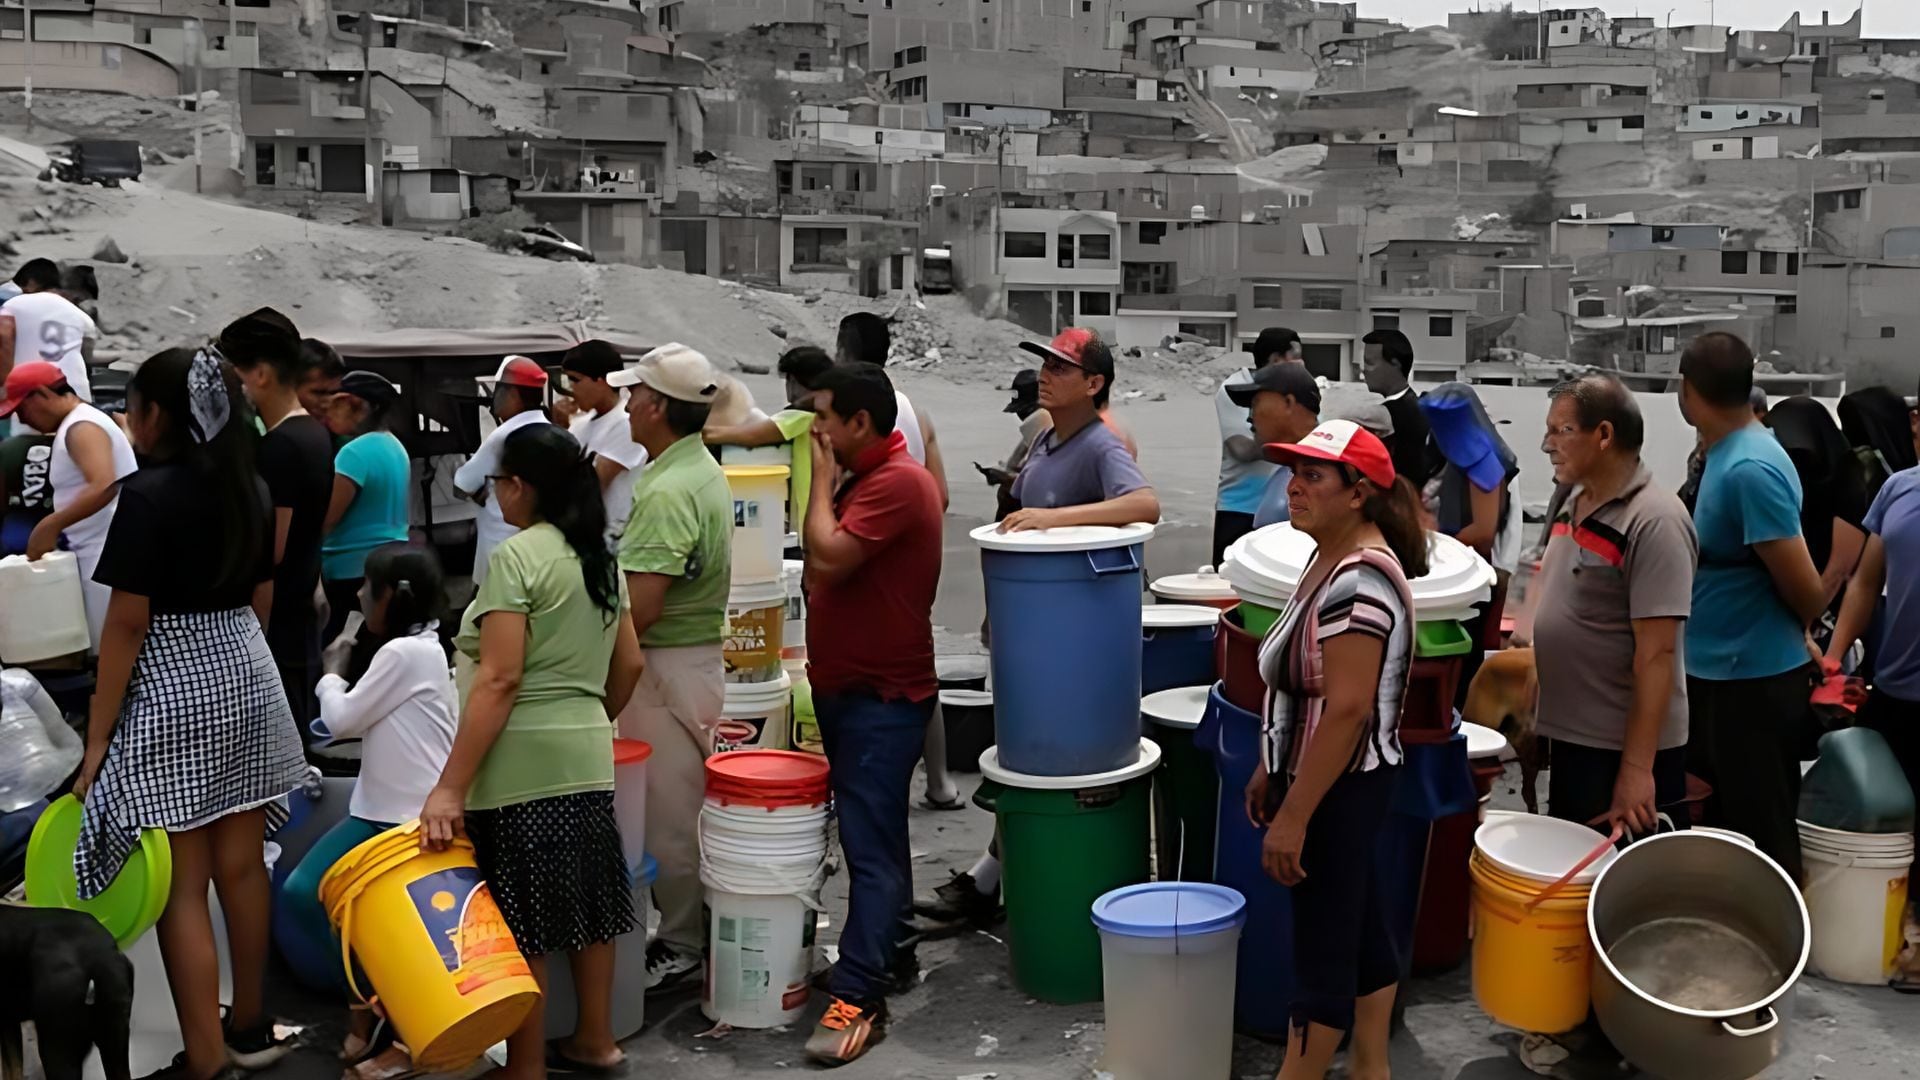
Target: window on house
{"x":1096,"y":303}
{"x":1024,"y":245}
{"x":1733,"y":262}
{"x":1593,"y":127}
{"x":1633,"y":123}
{"x":1152,"y":232}
{"x":1793,"y":264}
{"x":1063,"y":245}
{"x":1741,"y":114}
{"x":912,"y":55}
{"x":1387,"y":321}
{"x":1886,"y":331}
{"x":816,"y":247}
{"x":1683,"y":263}
{"x":1662,"y":234}
{"x":1592,"y":309}
{"x":1717,"y":147}
{"x":1269,"y":297}
{"x":1096,"y":247}
{"x":443,"y":182}
{"x":1787,"y":305}
{"x":1086,"y":6}
{"x":1850,"y":200}
{"x":1769,"y":262}
{"x":803,"y":62}
{"x":1439,"y":326}
{"x":1321,"y":299}
{"x":110,"y":57}
{"x":265,"y":157}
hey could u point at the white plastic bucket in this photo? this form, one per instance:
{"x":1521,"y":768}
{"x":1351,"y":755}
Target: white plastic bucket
{"x":1169,"y":955}
{"x":756,"y":715}
{"x":41,"y":612}
{"x":759,"y":521}
{"x":1856,"y":902}
{"x":793,"y":635}
{"x":762,"y":869}
{"x":756,"y":630}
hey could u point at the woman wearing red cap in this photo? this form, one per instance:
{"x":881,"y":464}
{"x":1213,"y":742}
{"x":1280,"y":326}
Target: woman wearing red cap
{"x":1336,"y":667}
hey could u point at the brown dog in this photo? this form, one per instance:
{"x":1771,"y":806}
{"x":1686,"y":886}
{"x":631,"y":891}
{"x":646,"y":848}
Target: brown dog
{"x":1505,"y":696}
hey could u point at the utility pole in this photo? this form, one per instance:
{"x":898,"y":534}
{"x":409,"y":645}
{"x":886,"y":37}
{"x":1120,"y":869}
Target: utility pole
{"x":372,"y":166}
{"x":233,"y":33}
{"x":26,"y":15}
{"x":199,"y":68}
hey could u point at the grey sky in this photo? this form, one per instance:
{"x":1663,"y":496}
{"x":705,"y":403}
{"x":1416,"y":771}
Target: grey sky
{"x":1885,"y":18}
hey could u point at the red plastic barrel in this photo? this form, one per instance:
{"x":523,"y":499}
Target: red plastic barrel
{"x":1238,"y":657}
{"x":769,"y":778}
{"x":1440,"y":935}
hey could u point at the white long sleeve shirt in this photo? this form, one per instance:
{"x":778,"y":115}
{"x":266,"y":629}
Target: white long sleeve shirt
{"x":471,"y":477}
{"x":403,"y":711}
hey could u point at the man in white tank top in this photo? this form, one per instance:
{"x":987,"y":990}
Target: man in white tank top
{"x":91,"y":455}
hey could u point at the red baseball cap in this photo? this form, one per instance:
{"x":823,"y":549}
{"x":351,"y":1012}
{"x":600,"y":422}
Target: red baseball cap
{"x":521,"y":371}
{"x":1341,"y":441}
{"x":25,"y":378}
{"x":1069,"y":345}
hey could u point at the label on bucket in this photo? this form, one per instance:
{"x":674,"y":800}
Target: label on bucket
{"x":1894,"y":937}
{"x":466,"y":927}
{"x":742,"y":947}
{"x":739,"y":733}
{"x":752,"y":647}
{"x":746,"y":513}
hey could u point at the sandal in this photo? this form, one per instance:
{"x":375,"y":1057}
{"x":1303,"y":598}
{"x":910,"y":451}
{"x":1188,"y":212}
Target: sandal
{"x":955,"y":803}
{"x":559,"y":1062}
{"x":393,"y":1063}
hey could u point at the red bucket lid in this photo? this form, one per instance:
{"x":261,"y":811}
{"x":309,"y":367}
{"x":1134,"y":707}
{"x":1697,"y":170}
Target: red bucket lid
{"x":767,"y":778}
{"x":631,"y":751}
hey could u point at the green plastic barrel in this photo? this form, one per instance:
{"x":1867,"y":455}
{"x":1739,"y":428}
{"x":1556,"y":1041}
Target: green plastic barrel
{"x":1186,"y":790}
{"x":1065,"y":841}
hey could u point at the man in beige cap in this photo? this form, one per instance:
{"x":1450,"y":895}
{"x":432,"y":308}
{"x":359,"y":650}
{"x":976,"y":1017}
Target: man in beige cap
{"x":677,"y":555}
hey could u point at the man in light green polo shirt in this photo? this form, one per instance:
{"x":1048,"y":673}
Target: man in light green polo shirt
{"x":677,"y":553}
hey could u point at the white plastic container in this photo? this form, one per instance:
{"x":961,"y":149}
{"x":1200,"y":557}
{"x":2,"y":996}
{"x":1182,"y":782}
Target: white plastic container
{"x":1203,"y":586}
{"x":1265,"y":565}
{"x":1168,"y":956}
{"x":1856,"y":896}
{"x":756,"y":715}
{"x":756,"y":631}
{"x":759,"y":521}
{"x":1540,"y":848}
{"x":630,"y":757}
{"x":793,"y":635}
{"x":762,"y":869}
{"x":41,"y":613}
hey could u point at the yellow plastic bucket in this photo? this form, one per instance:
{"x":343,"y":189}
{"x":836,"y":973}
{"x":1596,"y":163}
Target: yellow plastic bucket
{"x":1531,"y":966}
{"x":431,"y":940}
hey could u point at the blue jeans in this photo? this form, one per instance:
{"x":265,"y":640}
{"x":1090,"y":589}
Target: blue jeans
{"x":872,"y":747}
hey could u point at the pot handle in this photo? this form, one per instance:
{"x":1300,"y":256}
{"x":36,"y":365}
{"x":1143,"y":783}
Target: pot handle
{"x":1773,"y":1021}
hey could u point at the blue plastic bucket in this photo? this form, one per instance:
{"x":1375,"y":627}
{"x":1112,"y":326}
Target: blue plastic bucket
{"x":1263,"y":983}
{"x":1176,"y":647}
{"x":1064,"y":607}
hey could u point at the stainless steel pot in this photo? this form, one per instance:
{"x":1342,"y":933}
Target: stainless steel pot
{"x":1712,"y":878}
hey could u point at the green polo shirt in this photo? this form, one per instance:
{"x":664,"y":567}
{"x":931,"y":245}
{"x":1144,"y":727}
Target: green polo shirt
{"x":682,"y":526}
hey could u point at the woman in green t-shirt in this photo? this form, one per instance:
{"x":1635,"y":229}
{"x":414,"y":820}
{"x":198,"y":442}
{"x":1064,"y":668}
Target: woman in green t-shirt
{"x":530,"y":779}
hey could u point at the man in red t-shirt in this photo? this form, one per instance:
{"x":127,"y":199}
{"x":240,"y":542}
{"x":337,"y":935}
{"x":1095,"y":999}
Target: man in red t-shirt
{"x":873,"y":561}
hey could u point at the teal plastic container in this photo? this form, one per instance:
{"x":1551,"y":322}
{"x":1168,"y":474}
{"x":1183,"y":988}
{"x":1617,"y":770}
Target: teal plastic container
{"x":1857,"y":785}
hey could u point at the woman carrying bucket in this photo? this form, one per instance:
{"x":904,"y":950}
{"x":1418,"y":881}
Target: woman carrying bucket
{"x":403,"y":710}
{"x":1336,"y":666}
{"x":530,"y":779}
{"x":190,"y":730}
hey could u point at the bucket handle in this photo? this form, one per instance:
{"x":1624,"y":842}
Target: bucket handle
{"x":346,"y":956}
{"x":1773,"y":1021}
{"x":1120,"y":560}
{"x":987,"y":796}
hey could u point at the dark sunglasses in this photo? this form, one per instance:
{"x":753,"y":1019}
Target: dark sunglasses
{"x":1057,"y":365}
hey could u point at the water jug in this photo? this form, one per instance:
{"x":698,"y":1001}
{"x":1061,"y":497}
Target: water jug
{"x":1857,"y":785}
{"x":41,"y":613}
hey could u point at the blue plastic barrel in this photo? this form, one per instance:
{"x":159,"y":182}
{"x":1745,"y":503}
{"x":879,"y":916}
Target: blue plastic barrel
{"x":1176,"y":646}
{"x":1064,"y":607}
{"x":1263,"y":983}
{"x":1435,"y":782}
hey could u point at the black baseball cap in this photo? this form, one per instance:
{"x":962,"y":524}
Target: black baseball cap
{"x":1026,"y":388}
{"x":1293,"y":380}
{"x":595,"y":359}
{"x":1274,"y":339}
{"x":369,"y":387}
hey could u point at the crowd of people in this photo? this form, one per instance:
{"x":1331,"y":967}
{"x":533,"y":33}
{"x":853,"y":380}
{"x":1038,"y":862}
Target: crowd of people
{"x":255,"y":599}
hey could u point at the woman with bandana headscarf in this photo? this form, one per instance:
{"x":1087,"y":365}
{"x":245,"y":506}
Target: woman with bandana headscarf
{"x":189,"y":730}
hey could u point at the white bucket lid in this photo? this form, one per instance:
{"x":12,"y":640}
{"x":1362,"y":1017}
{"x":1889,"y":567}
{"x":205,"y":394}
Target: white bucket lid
{"x":1483,"y":741}
{"x":1203,"y":585}
{"x":749,"y":697}
{"x":990,"y":768}
{"x":1177,"y":616}
{"x":967,"y":699}
{"x":1860,"y":843}
{"x":1541,"y":848}
{"x":957,"y":667}
{"x":1181,"y":707}
{"x":1265,"y":565}
{"x":1068,"y":538}
{"x":747,"y":595}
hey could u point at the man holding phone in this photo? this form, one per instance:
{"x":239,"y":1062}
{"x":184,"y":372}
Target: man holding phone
{"x":1033,"y":421}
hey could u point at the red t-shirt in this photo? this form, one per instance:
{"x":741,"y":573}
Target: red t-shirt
{"x":872,"y":631}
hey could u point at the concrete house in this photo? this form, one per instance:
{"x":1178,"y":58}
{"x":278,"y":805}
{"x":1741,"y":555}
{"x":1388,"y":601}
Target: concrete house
{"x":841,"y":227}
{"x":308,"y":129}
{"x":1059,"y":268}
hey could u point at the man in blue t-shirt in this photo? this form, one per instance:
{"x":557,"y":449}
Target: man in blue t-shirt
{"x":1749,"y":667}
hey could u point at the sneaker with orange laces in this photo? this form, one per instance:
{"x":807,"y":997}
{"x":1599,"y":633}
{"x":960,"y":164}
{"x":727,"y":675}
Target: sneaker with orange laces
{"x":846,"y":1032}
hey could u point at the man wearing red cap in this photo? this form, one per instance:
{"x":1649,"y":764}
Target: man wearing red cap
{"x":91,"y":455}
{"x":1080,"y":473}
{"x":519,"y":392}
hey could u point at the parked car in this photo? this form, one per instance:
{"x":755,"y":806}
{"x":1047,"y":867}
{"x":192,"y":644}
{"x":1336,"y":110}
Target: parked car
{"x":548,"y":243}
{"x":95,"y":161}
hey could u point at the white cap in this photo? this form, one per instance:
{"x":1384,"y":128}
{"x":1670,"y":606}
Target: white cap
{"x":679,"y":372}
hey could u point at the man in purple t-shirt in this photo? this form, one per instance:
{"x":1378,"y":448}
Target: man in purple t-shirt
{"x":1079,"y":473}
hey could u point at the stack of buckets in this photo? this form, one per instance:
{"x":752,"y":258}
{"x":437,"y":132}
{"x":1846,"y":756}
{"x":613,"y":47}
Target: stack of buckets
{"x":1856,"y":841}
{"x":763,"y":853}
{"x":1069,"y":777}
{"x":1532,"y":956}
{"x":758,"y":710}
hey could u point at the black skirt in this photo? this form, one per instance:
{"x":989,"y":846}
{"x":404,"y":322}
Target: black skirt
{"x":556,"y":869}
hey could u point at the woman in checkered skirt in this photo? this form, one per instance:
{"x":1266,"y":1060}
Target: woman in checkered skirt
{"x":190,"y":730}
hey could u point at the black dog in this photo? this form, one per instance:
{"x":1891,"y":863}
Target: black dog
{"x":65,"y":975}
